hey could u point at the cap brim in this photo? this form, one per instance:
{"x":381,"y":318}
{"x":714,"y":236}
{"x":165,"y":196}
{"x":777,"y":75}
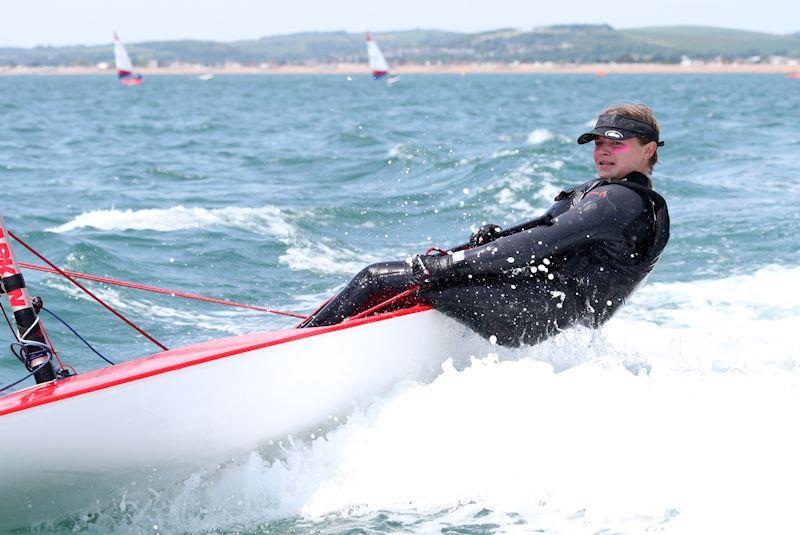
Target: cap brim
{"x":606,"y":132}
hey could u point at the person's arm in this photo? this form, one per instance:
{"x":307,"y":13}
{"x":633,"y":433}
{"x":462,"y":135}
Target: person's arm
{"x":600,"y":215}
{"x":491,"y":232}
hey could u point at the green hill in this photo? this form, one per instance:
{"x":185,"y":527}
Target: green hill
{"x":560,"y":43}
{"x":708,"y":41}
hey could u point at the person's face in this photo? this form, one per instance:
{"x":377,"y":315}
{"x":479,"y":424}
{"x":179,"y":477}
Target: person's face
{"x":616,"y":158}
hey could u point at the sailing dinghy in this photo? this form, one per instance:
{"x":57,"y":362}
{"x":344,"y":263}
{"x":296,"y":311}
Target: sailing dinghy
{"x":378,"y":64}
{"x":124,"y":66}
{"x":74,"y":439}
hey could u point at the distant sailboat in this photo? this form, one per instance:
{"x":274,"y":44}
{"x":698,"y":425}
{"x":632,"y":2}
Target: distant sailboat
{"x":377,"y":63}
{"x":124,"y":66}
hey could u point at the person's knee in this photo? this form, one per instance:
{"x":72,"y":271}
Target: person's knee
{"x":368,"y":277}
{"x":381,"y":275}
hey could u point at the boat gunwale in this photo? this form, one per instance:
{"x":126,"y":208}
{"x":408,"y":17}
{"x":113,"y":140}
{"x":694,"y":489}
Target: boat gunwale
{"x":170,"y":360}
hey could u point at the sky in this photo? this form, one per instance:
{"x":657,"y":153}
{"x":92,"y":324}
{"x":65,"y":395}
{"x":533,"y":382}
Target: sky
{"x":27,"y":23}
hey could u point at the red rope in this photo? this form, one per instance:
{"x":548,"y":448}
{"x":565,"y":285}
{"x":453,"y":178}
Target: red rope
{"x":144,"y":287}
{"x":88,"y":292}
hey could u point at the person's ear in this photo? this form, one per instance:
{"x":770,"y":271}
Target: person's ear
{"x":650,"y":149}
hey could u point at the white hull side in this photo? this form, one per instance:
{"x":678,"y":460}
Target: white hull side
{"x":167,"y":425}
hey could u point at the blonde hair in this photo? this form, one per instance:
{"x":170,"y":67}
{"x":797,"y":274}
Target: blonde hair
{"x":642,"y":113}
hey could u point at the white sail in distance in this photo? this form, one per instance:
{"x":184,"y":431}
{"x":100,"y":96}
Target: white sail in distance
{"x":124,"y":65}
{"x":377,"y":63}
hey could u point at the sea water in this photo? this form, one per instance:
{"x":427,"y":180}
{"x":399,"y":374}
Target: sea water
{"x":679,"y":416}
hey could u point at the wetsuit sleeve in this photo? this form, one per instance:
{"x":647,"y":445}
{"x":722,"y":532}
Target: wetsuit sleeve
{"x":558,"y":208}
{"x":600,"y":216}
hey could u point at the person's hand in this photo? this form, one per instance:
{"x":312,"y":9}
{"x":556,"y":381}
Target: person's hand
{"x":484,"y":235}
{"x":427,"y":270}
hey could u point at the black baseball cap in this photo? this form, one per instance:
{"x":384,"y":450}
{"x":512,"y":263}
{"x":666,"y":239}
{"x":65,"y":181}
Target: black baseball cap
{"x":616,"y":126}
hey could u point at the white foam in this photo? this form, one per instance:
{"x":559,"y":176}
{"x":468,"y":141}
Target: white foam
{"x":301,"y":253}
{"x":401,"y":151}
{"x":708,"y":447}
{"x":268,"y":220}
{"x":504,"y":153}
{"x":739,"y":323}
{"x":542,"y":135}
{"x":638,"y":434}
{"x":322,"y":258}
{"x":520,"y":187}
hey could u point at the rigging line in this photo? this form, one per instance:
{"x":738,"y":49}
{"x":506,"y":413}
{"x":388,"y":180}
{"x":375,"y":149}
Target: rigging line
{"x":13,"y":331}
{"x":82,"y":339}
{"x":88,"y":292}
{"x":23,"y":337}
{"x":154,"y":289}
{"x":33,"y":372}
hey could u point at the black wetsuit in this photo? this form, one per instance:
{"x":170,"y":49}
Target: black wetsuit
{"x":578,"y":265}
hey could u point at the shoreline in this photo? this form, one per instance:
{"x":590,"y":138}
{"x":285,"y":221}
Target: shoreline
{"x":599,"y":69}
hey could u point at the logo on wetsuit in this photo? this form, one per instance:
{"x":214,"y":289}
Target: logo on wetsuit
{"x":601,"y":194}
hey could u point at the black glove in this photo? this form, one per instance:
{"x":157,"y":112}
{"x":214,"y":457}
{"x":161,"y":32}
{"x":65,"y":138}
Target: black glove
{"x":485,"y":234}
{"x":427,"y":270}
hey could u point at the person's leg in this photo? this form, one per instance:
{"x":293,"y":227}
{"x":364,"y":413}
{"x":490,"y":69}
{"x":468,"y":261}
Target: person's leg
{"x":371,"y":281}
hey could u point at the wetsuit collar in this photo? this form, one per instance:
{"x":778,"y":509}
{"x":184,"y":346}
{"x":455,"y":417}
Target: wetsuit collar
{"x":639,"y":178}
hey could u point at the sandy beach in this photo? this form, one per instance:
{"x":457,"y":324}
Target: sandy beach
{"x":599,"y":69}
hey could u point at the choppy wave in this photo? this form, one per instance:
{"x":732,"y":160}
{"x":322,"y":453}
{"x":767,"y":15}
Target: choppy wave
{"x":301,"y":253}
{"x":323,"y":258}
{"x":543,"y":135}
{"x":730,"y":324}
{"x":202,"y":324}
{"x":169,"y":173}
{"x":637,"y":434}
{"x":402,"y":151}
{"x":267,"y":220}
{"x":527,"y":190}
{"x":677,"y":417}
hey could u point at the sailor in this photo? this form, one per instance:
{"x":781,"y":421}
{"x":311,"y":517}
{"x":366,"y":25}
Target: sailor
{"x":574,"y":265}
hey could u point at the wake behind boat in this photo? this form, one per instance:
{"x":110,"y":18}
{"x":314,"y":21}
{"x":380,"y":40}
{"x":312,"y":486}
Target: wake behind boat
{"x":153,"y":420}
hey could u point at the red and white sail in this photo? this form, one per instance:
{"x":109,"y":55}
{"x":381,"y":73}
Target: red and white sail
{"x":377,"y":63}
{"x":124,"y":65}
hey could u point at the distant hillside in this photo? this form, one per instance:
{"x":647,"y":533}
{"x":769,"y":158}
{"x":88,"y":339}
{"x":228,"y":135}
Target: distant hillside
{"x":580,"y":43}
{"x":707,"y":42}
{"x":561,"y":43}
